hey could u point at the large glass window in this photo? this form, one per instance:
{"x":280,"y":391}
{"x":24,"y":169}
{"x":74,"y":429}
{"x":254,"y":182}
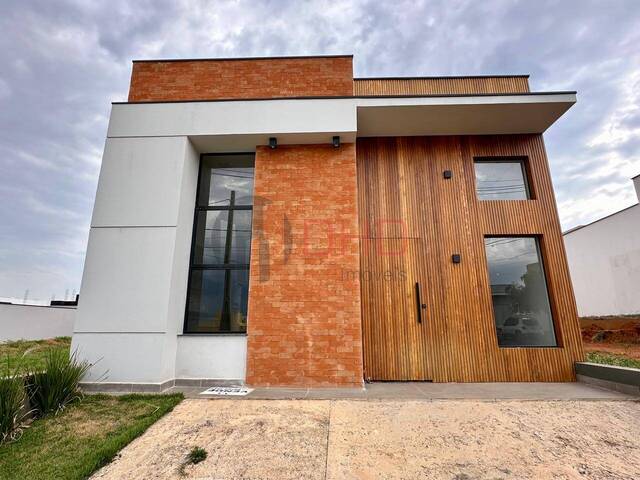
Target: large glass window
{"x":501,"y":179}
{"x":519,"y":292}
{"x":219,"y":273}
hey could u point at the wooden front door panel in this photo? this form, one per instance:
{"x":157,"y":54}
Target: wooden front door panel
{"x":395,"y":201}
{"x":397,"y":345}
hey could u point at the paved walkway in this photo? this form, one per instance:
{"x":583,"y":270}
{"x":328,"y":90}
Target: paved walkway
{"x":390,"y":439}
{"x":432,"y":391}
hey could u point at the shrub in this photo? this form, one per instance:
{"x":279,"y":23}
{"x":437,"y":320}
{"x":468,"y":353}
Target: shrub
{"x":54,"y":388}
{"x":12,"y":406}
{"x":196,"y":455}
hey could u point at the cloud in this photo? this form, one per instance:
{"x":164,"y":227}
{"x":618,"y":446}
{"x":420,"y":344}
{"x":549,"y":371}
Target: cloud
{"x":63,"y":62}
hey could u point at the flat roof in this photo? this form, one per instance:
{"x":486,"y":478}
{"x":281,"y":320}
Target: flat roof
{"x":445,"y":77}
{"x":230,"y":59}
{"x":579,"y":227}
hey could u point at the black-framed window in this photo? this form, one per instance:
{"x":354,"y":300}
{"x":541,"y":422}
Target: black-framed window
{"x":521,"y":307}
{"x":221,"y":247}
{"x":502,"y":178}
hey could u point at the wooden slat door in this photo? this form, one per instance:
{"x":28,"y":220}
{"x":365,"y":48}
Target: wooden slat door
{"x":399,"y":235}
{"x":396,"y":343}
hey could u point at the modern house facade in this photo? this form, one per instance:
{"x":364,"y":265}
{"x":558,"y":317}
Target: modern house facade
{"x":608,"y":250}
{"x":276,"y":222}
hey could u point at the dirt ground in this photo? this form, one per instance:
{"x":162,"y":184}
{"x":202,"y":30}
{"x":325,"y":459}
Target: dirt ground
{"x":630,"y":350}
{"x":611,"y":329}
{"x":615,"y":335}
{"x":355,"y":439}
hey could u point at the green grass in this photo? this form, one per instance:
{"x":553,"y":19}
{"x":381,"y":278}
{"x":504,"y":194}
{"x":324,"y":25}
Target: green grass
{"x":29,"y":354}
{"x":82,"y":438}
{"x":610,"y":359}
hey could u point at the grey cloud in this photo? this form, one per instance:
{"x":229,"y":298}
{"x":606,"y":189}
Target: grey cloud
{"x":632,"y":119}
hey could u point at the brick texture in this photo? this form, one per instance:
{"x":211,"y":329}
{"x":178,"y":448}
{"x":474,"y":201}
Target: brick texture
{"x":304,"y":325}
{"x":241,"y":79}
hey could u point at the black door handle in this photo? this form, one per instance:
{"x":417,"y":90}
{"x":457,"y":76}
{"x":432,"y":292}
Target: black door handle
{"x":421,"y":306}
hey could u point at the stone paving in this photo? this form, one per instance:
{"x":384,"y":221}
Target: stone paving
{"x":432,"y":391}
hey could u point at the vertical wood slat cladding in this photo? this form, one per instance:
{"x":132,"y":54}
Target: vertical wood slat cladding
{"x":440,"y":86}
{"x":401,"y":179}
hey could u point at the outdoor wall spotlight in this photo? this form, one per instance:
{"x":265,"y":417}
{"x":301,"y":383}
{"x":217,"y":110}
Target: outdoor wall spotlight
{"x":455,"y":258}
{"x":336,"y":141}
{"x":273,"y":142}
{"x":447,"y":174}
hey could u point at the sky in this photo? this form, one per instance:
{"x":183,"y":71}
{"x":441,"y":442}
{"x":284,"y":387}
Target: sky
{"x":64,"y":62}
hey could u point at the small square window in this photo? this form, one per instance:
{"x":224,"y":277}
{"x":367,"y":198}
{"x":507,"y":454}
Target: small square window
{"x":501,"y":179}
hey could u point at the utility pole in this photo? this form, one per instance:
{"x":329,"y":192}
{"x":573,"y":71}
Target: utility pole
{"x":225,"y":321}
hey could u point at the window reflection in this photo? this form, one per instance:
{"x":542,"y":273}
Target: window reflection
{"x":217,"y":242}
{"x":218,"y":301}
{"x":501,"y":180}
{"x":205,"y":301}
{"x":219,"y":275}
{"x":226,"y":180}
{"x":519,"y":292}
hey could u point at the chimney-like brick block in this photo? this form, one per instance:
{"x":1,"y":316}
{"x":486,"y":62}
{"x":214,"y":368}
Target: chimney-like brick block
{"x":304,"y":325}
{"x":156,"y":81}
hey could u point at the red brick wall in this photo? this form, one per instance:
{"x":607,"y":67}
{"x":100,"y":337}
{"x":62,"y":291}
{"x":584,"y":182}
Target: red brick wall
{"x":304,"y":325}
{"x":241,"y":79}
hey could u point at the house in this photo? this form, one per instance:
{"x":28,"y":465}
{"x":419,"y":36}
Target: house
{"x":604,"y":261}
{"x":275,"y":221}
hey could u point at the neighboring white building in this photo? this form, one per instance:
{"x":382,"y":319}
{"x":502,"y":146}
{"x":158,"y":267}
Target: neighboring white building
{"x":604,"y":260}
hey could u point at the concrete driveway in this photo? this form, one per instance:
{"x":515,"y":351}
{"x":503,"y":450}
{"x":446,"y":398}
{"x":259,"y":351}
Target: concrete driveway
{"x":389,"y":439}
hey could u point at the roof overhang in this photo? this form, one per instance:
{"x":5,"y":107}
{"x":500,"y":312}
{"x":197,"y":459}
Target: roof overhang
{"x":222,"y":126}
{"x":461,"y":115}
{"x":227,"y":126}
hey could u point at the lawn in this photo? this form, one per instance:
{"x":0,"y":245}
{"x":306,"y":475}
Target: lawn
{"x":29,"y":354}
{"x":612,"y":359}
{"x":82,"y":438}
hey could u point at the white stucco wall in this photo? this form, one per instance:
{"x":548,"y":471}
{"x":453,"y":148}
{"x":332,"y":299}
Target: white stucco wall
{"x":34,"y":322}
{"x":194,"y":357}
{"x":604,"y":261}
{"x":135,"y":276}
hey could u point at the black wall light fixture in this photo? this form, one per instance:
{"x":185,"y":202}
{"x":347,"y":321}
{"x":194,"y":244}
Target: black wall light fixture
{"x":447,"y":174}
{"x":455,"y":258}
{"x":336,"y":141}
{"x":273,"y":142}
